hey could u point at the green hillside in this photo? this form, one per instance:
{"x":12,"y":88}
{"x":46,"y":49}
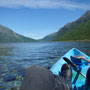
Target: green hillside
{"x":78,"y":30}
{"x":7,"y":35}
{"x":48,"y":37}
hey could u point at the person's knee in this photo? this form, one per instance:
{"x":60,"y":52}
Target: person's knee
{"x":35,"y":76}
{"x":34,"y":67}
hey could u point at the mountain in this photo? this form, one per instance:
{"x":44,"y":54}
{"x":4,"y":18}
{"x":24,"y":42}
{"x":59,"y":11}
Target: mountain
{"x":48,"y":37}
{"x":77,"y":30}
{"x":7,"y":35}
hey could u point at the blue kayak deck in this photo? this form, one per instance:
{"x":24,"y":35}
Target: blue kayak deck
{"x":56,"y":68}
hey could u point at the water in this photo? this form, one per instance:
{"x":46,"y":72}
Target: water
{"x":17,"y":57}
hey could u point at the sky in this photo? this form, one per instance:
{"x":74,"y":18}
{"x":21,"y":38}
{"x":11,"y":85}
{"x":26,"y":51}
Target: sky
{"x":38,"y":18}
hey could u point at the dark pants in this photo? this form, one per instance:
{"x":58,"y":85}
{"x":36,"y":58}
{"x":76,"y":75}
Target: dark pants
{"x":39,"y":78}
{"x":87,"y":84}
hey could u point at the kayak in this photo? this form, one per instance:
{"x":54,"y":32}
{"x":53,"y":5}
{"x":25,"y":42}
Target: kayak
{"x":77,"y":79}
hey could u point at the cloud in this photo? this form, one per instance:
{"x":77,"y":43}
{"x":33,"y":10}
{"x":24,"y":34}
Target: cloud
{"x":44,"y":4}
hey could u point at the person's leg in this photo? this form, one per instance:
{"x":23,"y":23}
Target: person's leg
{"x":38,"y":78}
{"x":87,"y":85}
{"x":66,"y":72}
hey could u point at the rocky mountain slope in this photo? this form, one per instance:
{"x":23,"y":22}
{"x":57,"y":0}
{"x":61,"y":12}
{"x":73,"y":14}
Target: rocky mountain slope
{"x":77,"y":30}
{"x":48,"y":37}
{"x":7,"y":35}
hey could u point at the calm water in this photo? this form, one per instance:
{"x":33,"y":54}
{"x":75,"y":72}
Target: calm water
{"x":17,"y":57}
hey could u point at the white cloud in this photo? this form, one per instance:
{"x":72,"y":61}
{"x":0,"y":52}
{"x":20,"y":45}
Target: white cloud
{"x":43,"y":4}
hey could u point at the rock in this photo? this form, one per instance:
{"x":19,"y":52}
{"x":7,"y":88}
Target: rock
{"x":9,"y":77}
{"x":21,"y":72}
{"x":14,"y":88}
{"x":2,"y":87}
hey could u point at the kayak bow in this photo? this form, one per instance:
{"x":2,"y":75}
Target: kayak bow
{"x":81,"y":64}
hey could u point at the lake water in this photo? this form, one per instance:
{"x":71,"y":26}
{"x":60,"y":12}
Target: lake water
{"x":17,"y":57}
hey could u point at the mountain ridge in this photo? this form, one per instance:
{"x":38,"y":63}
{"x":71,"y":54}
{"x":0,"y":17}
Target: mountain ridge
{"x":76,"y":30}
{"x":73,"y":31}
{"x":49,"y":37}
{"x":8,"y":35}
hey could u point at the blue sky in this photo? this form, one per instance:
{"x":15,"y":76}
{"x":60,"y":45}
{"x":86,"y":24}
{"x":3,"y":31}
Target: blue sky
{"x":38,"y":18}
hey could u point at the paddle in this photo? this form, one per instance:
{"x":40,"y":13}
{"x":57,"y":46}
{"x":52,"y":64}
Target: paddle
{"x":73,"y":65}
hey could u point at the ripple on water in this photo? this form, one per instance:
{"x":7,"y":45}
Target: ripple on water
{"x":17,"y":57}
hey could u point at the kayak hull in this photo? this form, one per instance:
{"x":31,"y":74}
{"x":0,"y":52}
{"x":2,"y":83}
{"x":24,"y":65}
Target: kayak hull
{"x":56,"y":68}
